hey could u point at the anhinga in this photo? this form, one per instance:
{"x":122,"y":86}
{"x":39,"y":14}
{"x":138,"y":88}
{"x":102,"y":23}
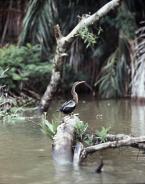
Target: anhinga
{"x":70,"y":105}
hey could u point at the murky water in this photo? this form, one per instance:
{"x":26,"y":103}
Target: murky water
{"x":25,"y":153}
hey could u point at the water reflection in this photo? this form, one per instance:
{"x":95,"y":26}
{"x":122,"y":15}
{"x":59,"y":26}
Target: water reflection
{"x":25,"y":155}
{"x":138,"y":119}
{"x":108,"y":113}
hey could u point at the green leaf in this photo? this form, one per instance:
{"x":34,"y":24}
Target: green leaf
{"x":102,"y":134}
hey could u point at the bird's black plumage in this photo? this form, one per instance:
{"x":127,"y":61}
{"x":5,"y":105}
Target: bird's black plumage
{"x":68,"y":107}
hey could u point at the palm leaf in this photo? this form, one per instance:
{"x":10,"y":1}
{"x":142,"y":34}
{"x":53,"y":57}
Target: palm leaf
{"x":114,"y":76}
{"x":38,"y":24}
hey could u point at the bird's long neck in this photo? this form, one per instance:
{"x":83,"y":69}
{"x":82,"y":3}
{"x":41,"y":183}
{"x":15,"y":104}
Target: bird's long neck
{"x":74,"y":94}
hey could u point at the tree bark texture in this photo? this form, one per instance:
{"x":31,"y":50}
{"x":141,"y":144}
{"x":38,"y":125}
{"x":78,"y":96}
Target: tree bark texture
{"x":62,"y":148}
{"x":61,"y":49}
{"x":129,"y":141}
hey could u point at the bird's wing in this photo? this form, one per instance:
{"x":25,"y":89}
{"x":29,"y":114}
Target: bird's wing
{"x":69,"y":103}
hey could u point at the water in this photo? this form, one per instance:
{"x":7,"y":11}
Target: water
{"x":25,"y":153}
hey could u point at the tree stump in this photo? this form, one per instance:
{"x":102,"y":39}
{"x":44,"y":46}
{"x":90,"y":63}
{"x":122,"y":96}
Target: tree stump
{"x":62,"y":147}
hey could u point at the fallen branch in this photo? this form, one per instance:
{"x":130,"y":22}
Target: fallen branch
{"x":125,"y":141}
{"x":118,"y":137}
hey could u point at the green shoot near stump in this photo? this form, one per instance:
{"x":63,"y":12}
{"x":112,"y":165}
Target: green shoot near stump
{"x":48,"y":128}
{"x":102,"y":134}
{"x":80,"y":130}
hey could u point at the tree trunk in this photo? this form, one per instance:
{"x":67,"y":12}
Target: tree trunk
{"x":63,"y":141}
{"x":61,"y":49}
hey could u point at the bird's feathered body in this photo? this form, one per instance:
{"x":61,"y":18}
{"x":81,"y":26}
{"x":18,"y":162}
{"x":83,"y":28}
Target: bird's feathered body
{"x":68,"y":107}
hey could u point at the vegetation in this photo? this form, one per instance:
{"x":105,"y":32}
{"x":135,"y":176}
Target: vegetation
{"x":10,"y":111}
{"x":111,"y":82}
{"x":138,"y":56}
{"x":88,"y":37}
{"x":13,"y":116}
{"x":24,"y":67}
{"x":38,"y":24}
{"x":82,"y":132}
{"x":102,"y":134}
{"x":48,"y":128}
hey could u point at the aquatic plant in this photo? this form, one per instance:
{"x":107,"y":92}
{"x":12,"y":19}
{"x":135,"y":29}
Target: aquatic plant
{"x":102,"y":134}
{"x":88,"y":139}
{"x":80,"y":130}
{"x":48,"y":128}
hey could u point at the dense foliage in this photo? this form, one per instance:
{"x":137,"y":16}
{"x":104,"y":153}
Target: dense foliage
{"x":24,"y":67}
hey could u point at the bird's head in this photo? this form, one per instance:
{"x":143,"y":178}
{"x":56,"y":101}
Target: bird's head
{"x":74,"y":94}
{"x":78,"y":82}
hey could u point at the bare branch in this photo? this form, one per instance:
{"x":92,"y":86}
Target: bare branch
{"x":127,"y":141}
{"x":57,"y":32}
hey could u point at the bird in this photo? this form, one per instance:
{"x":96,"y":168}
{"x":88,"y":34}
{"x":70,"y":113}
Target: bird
{"x":69,"y":106}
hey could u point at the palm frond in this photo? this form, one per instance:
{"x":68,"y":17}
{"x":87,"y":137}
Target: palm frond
{"x":114,"y":75}
{"x":38,"y":23}
{"x":138,"y":63}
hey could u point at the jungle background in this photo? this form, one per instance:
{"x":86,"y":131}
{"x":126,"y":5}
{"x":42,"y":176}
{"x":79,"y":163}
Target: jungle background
{"x":109,"y":55}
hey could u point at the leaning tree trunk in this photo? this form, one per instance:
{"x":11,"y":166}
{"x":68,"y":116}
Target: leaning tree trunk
{"x":61,"y":49}
{"x":56,"y":72}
